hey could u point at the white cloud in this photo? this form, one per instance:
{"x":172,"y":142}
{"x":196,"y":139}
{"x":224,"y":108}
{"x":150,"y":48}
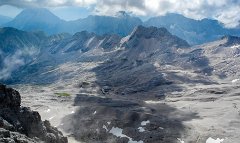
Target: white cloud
{"x":226,"y":11}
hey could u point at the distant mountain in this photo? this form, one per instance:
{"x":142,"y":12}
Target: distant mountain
{"x":37,"y":19}
{"x":193,"y":31}
{"x":121,"y":24}
{"x":4,"y":20}
{"x":41,"y":19}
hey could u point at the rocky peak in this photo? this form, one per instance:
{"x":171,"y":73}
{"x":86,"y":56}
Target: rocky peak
{"x":149,"y":32}
{"x":159,"y":34}
{"x":9,"y":98}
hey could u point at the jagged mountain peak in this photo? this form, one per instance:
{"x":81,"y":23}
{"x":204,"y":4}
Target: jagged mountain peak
{"x":149,"y":32}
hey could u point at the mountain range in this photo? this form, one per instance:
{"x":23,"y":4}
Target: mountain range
{"x":193,"y":31}
{"x":30,"y":55}
{"x":145,"y":86}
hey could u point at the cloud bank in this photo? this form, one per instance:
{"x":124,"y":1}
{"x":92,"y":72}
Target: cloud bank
{"x":226,"y":11}
{"x":12,"y":62}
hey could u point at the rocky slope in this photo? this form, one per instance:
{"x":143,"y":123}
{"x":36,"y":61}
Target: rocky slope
{"x":149,"y":86}
{"x":21,"y":124}
{"x":222,"y":57}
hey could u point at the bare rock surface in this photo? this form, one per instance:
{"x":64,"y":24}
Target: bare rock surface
{"x":21,"y":124}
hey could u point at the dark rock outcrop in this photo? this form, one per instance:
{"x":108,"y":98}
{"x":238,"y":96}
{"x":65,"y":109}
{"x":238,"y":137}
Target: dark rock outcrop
{"x":21,"y":124}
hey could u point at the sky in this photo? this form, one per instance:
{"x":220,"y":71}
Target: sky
{"x":226,"y":11}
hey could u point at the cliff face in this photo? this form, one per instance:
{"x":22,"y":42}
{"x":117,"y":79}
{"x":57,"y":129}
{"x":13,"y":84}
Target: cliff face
{"x":21,"y":124}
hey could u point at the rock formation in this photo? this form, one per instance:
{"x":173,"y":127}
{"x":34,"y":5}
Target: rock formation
{"x":22,"y":125}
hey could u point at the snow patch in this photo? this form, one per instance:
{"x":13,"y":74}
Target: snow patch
{"x":72,"y":112}
{"x":48,"y":110}
{"x":235,"y":80}
{"x":161,"y":128}
{"x":95,"y":112}
{"x":118,"y":132}
{"x":235,"y":46}
{"x":125,"y":39}
{"x":105,"y":127}
{"x":89,"y":41}
{"x":108,"y":123}
{"x":180,"y":140}
{"x":141,"y":129}
{"x":211,"y":140}
{"x":156,"y":64}
{"x":144,"y":123}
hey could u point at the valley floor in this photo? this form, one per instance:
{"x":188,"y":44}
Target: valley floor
{"x":198,"y":114}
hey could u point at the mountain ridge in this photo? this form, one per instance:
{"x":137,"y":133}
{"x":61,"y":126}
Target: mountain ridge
{"x":193,"y":31}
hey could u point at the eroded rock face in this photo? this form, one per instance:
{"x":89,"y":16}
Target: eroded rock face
{"x":9,"y":98}
{"x":21,"y":124}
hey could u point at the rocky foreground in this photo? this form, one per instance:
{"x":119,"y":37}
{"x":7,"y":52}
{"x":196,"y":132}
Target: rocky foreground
{"x":22,"y":125}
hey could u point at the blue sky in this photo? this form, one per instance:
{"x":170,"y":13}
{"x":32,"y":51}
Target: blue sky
{"x":226,"y":11}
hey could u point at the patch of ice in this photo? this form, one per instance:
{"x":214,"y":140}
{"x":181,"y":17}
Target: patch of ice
{"x":144,"y":123}
{"x":161,"y":128}
{"x":141,"y":129}
{"x":180,"y":140}
{"x":118,"y":132}
{"x":235,"y":46}
{"x":152,"y":102}
{"x":235,"y":80}
{"x":211,"y":140}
